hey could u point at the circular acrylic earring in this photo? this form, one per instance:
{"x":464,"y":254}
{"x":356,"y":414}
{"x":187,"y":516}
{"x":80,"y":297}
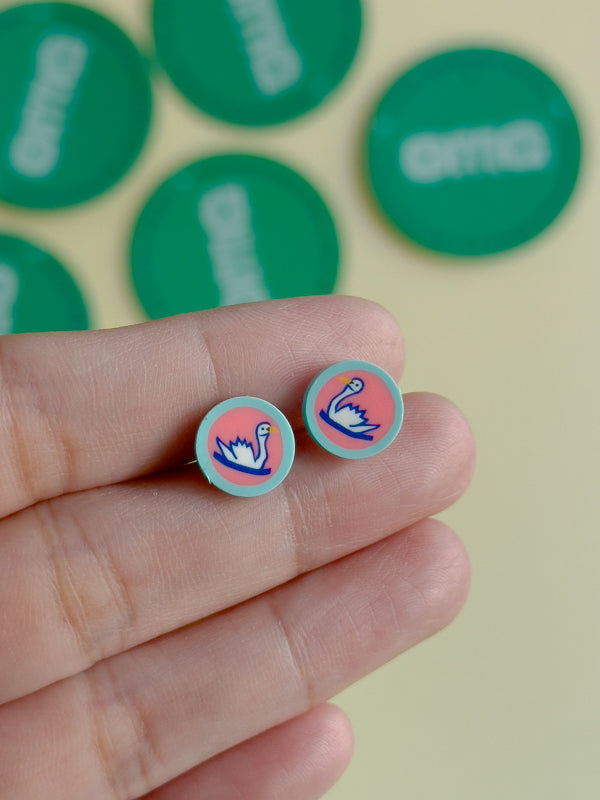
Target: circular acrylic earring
{"x":245,"y":446}
{"x":353,"y":409}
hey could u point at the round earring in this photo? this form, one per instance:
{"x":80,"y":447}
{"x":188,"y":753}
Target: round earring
{"x":353,"y":409}
{"x":245,"y":446}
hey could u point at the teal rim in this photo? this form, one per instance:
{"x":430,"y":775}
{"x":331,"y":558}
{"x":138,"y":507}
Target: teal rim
{"x":311,"y":422}
{"x":204,"y":459}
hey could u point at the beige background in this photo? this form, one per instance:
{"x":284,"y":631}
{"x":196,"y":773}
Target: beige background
{"x":505,"y":703}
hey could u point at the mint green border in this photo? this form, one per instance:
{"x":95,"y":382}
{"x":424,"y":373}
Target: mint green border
{"x":311,"y":421}
{"x":205,"y":463}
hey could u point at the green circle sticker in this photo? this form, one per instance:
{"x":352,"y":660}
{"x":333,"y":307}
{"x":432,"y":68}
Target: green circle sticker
{"x":473,"y":152}
{"x":257,"y":62}
{"x":76,"y":108}
{"x":232,"y":229}
{"x":36,"y":292}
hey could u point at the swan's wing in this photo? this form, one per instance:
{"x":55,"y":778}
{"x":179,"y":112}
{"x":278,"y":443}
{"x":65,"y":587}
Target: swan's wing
{"x":354,"y":418}
{"x":225,"y":450}
{"x":243,"y":453}
{"x":239,"y":452}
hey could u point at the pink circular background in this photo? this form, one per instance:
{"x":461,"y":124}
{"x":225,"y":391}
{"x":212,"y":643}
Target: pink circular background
{"x":375,"y":400}
{"x":243,"y":422}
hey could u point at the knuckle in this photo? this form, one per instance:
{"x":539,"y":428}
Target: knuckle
{"x":295,"y":654}
{"x":126,"y":745}
{"x":28,"y":417}
{"x":90,"y":591}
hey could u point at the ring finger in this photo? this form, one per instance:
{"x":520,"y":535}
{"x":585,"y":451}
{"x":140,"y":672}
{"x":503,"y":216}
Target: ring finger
{"x":137,"y":720}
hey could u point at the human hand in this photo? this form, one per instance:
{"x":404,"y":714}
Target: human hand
{"x":154,"y":631}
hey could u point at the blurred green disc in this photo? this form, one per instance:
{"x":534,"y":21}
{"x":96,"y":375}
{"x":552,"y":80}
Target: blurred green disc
{"x":473,"y":152}
{"x":36,"y":292}
{"x":232,"y":229}
{"x":75,"y":100}
{"x":257,"y":62}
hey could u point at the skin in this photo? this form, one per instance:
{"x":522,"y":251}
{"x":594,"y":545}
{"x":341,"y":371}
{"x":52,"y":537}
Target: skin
{"x":161,"y":639}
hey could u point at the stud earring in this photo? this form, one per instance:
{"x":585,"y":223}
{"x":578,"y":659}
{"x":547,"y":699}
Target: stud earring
{"x":353,"y":409}
{"x":245,"y":446}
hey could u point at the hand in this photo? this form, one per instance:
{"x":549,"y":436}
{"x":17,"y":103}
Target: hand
{"x":154,"y":631}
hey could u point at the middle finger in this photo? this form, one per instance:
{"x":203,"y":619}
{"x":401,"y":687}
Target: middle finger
{"x":108,"y":569}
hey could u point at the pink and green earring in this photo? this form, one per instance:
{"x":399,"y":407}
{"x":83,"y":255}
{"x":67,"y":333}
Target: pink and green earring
{"x":245,"y":446}
{"x":353,"y":409}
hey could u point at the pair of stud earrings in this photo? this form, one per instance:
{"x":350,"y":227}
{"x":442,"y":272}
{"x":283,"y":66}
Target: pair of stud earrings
{"x":245,"y":446}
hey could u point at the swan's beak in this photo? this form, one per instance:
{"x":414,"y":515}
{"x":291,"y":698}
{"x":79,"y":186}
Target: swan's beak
{"x":347,"y":381}
{"x":273,"y":430}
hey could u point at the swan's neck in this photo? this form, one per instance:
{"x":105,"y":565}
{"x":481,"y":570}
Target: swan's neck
{"x":333,"y":406}
{"x":262,"y":452}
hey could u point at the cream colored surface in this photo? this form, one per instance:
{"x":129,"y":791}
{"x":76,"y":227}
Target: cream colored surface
{"x":506,"y":702}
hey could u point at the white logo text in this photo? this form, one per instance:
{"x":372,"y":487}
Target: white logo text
{"x":517,"y":147}
{"x":226,"y":216}
{"x":274,"y":61}
{"x":60,"y":63}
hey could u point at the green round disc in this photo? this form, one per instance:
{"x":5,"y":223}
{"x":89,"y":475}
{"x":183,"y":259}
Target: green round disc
{"x":76,"y":109}
{"x":232,"y":229}
{"x":36,"y":292}
{"x":473,"y":152}
{"x":257,"y":62}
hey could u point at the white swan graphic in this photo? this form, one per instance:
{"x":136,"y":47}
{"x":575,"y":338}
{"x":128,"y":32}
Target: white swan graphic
{"x":239,"y":455}
{"x":348,"y":419}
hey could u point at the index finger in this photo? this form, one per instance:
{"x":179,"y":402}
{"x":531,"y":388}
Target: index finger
{"x":80,"y":410}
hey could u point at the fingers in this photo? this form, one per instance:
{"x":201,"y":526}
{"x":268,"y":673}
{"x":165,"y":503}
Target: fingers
{"x":88,"y":575}
{"x":135,"y":721}
{"x":298,"y":760}
{"x":79,"y":410}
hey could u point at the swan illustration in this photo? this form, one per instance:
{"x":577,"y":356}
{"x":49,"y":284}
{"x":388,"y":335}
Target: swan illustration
{"x":239,"y":455}
{"x":348,"y":419}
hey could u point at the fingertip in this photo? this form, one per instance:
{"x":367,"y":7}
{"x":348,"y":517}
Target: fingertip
{"x":379,"y":331}
{"x":348,"y":327}
{"x":443,"y":443}
{"x":445,"y":573}
{"x":328,"y":747}
{"x":337,"y":735}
